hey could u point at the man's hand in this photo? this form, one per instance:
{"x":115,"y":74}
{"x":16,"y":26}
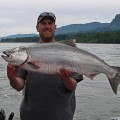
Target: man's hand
{"x":11,"y":71}
{"x":16,"y":82}
{"x":69,"y":82}
{"x":65,"y":74}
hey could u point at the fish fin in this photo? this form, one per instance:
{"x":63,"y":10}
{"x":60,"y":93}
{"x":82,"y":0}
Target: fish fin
{"x":91,"y":76}
{"x":114,"y":82}
{"x":71,"y":42}
{"x":115,"y":67}
{"x":33,"y":65}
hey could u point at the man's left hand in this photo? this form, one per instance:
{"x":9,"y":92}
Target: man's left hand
{"x":65,"y":74}
{"x":69,"y":82}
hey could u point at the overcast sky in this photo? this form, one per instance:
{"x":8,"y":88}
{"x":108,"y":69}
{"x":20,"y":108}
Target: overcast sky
{"x":19,"y":16}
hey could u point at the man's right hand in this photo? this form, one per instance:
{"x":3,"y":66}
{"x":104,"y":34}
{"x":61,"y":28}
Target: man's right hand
{"x":16,"y":82}
{"x":12,"y":71}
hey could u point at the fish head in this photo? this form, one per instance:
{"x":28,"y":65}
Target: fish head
{"x":15,"y":56}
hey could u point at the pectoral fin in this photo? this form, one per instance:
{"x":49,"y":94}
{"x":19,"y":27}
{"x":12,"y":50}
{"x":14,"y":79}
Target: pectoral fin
{"x":33,"y":65}
{"x":91,"y":76}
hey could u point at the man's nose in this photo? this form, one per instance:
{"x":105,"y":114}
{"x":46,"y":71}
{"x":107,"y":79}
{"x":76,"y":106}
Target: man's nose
{"x":47,"y":25}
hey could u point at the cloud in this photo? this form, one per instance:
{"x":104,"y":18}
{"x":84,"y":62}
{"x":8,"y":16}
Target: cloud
{"x":20,"y":16}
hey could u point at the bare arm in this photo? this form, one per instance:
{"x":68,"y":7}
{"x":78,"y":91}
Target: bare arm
{"x":16,"y":82}
{"x":69,"y":82}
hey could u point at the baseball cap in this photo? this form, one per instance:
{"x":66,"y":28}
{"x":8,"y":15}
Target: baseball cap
{"x":46,"y":14}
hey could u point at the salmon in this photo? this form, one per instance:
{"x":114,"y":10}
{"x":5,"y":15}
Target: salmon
{"x":48,"y":58}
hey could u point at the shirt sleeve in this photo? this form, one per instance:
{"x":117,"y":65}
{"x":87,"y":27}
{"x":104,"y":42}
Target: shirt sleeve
{"x":77,"y":77}
{"x":22,"y":73}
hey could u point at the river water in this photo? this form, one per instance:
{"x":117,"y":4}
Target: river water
{"x":95,"y":98}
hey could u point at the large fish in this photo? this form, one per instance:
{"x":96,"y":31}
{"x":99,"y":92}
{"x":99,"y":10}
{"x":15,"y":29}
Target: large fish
{"x":50,"y":57}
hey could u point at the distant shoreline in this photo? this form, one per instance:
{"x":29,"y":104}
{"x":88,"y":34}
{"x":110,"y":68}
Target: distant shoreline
{"x":36,"y":42}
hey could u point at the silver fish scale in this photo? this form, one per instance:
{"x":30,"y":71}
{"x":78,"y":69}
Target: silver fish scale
{"x":75,"y":59}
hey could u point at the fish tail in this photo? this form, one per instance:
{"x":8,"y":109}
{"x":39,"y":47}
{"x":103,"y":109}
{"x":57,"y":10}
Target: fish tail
{"x":114,"y":82}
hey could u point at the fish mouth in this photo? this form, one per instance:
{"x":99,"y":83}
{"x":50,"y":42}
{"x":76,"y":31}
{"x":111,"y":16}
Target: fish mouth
{"x":6,"y":56}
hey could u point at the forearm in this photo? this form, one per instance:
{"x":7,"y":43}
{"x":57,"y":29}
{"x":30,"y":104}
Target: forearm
{"x":16,"y":82}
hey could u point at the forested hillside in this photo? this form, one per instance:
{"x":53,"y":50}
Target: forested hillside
{"x":99,"y":37}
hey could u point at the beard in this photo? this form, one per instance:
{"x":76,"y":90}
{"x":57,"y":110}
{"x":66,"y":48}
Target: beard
{"x":47,"y":38}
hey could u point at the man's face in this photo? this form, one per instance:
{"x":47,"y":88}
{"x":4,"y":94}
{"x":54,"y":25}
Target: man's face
{"x":46,"y":29}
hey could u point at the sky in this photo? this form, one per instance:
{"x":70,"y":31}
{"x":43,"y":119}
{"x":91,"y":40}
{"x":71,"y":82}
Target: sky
{"x":20,"y":16}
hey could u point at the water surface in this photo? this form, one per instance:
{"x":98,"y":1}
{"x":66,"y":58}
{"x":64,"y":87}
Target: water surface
{"x":95,"y":99}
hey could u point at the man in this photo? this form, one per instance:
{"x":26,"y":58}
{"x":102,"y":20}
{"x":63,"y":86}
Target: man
{"x":47,"y":97}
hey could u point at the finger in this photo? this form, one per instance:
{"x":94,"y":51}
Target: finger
{"x":62,"y":77}
{"x":65,"y":72}
{"x":70,"y":74}
{"x":61,"y":71}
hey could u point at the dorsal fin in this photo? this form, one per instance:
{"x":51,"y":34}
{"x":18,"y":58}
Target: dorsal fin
{"x":71,"y":42}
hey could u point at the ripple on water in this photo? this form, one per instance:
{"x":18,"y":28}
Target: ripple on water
{"x":95,"y":99}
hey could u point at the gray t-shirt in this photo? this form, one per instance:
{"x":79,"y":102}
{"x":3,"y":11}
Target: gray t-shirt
{"x":46,"y":98}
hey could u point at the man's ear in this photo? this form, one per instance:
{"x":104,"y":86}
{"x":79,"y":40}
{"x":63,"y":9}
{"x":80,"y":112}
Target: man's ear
{"x":37,"y":28}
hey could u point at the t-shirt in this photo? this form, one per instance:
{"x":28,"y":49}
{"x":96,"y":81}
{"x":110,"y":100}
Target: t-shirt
{"x":46,"y":98}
